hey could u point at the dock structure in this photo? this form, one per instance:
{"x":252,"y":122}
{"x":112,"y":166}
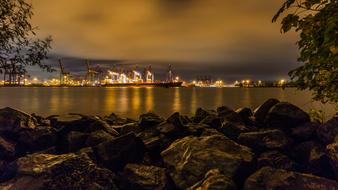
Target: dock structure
{"x":64,"y":75}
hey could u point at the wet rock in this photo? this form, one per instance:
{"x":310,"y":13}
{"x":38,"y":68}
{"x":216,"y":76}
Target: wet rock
{"x":7,"y":149}
{"x":286,"y":116}
{"x":228,"y":114}
{"x":12,"y":121}
{"x":68,"y":171}
{"x":261,"y":112}
{"x":136,"y":176}
{"x":188,"y":159}
{"x":233,"y":130}
{"x":270,"y":178}
{"x":40,"y":138}
{"x":265,"y":140}
{"x":98,"y":137}
{"x":73,"y":141}
{"x":328,"y":131}
{"x":214,"y":180}
{"x":149,"y":120}
{"x":176,"y":119}
{"x":276,"y":159}
{"x":212,"y":121}
{"x":115,"y":154}
{"x":200,"y":114}
{"x":332,"y":152}
{"x":304,"y":132}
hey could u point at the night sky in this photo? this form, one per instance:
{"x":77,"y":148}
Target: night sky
{"x":227,"y":39}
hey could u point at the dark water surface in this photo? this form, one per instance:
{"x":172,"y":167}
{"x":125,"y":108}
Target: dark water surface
{"x":131,"y":102}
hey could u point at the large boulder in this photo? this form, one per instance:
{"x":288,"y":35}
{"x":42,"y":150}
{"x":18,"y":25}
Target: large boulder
{"x":286,"y":116}
{"x":332,"y":152}
{"x":137,"y":176}
{"x":73,"y":141}
{"x":228,"y":114}
{"x":200,"y":114}
{"x":259,"y":141}
{"x":173,"y":131}
{"x":212,"y":121}
{"x":246,"y":115}
{"x":40,"y":138}
{"x":68,"y":171}
{"x":276,"y":159}
{"x":114,"y":119}
{"x":304,"y":131}
{"x":97,"y":137}
{"x":261,"y":112}
{"x":214,"y":180}
{"x":128,"y":128}
{"x":12,"y":121}
{"x":7,"y":149}
{"x":115,"y":154}
{"x":149,"y":120}
{"x":270,"y":178}
{"x":328,"y":131}
{"x":188,"y":159}
{"x":233,"y":130}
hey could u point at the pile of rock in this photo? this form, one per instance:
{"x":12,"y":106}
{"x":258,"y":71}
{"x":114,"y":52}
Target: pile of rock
{"x":274,"y":147}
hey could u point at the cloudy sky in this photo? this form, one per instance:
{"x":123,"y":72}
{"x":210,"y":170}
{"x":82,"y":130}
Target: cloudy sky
{"x":228,"y":39}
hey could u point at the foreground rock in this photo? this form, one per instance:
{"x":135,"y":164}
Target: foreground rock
{"x":12,"y":121}
{"x":190,"y":158}
{"x":328,"y":131}
{"x":136,"y":176}
{"x":214,"y":179}
{"x":115,"y":154}
{"x":332,"y":151}
{"x":270,"y":178}
{"x":261,"y":112}
{"x":68,"y":171}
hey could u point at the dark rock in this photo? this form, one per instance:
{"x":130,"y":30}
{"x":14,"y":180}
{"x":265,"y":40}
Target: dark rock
{"x":12,"y":121}
{"x":68,"y":171}
{"x":149,"y":120}
{"x":276,"y":159}
{"x":200,"y":114}
{"x":261,"y":112}
{"x":286,"y":116}
{"x":7,"y":170}
{"x":197,"y":129}
{"x":328,"y":131}
{"x":210,"y":132}
{"x":115,"y":154}
{"x":304,"y":132}
{"x":228,"y":114}
{"x":173,"y":131}
{"x":233,"y":130}
{"x":73,"y":141}
{"x":98,"y":124}
{"x":301,"y":152}
{"x":114,"y":119}
{"x":246,"y":115}
{"x":136,"y":176}
{"x":214,"y":180}
{"x":270,"y":178}
{"x":7,"y":149}
{"x":97,"y":137}
{"x":212,"y":121}
{"x":176,"y":119}
{"x":40,"y":138}
{"x":265,"y":140}
{"x":188,"y":159}
{"x":318,"y":162}
{"x":332,"y":152}
{"x":127,"y":128}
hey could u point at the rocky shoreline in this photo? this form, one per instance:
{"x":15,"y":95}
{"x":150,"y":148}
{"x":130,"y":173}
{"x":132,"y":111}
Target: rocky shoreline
{"x":274,"y":147}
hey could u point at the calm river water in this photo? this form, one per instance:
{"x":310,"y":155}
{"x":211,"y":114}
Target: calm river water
{"x":131,"y":102}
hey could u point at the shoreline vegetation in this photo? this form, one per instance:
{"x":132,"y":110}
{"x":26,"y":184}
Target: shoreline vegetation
{"x":275,"y":146}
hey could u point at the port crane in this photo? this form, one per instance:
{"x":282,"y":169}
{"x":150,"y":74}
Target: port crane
{"x":64,"y":75}
{"x":91,"y":73}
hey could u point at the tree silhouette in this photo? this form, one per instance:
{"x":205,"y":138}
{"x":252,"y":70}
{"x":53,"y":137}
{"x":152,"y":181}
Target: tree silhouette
{"x":18,"y":45}
{"x":317,"y":23}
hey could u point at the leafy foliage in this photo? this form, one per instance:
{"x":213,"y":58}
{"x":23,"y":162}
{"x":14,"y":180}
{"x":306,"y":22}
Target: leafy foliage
{"x":317,"y":24}
{"x":18,"y":47}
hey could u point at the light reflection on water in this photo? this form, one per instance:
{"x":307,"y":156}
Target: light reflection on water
{"x":132,"y":102}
